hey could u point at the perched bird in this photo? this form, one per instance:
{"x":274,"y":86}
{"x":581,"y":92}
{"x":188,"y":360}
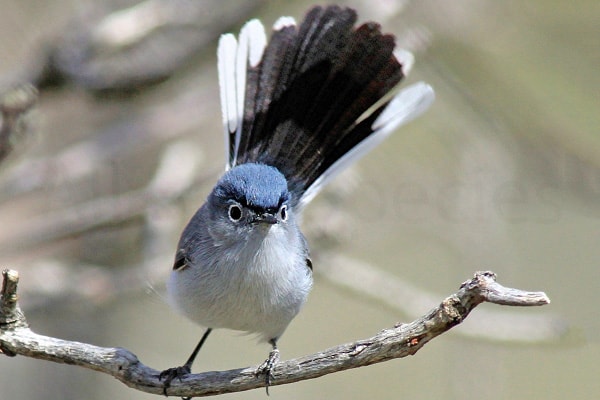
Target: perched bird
{"x":296,"y":111}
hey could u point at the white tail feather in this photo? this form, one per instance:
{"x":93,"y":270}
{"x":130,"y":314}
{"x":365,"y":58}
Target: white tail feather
{"x":226,"y":54}
{"x":404,"y":107}
{"x":406,"y":59}
{"x":234,"y":58}
{"x":283,"y":22}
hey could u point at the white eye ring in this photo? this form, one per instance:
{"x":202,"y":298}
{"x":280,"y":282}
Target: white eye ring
{"x":235,"y":212}
{"x":283,"y":214}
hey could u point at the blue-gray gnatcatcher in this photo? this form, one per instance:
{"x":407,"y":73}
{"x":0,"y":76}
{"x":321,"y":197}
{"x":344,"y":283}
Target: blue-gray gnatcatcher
{"x":296,"y":111}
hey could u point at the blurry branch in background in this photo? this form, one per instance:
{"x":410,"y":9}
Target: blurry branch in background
{"x":113,"y":210}
{"x":401,"y":341}
{"x":14,"y":105}
{"x":121,"y":50}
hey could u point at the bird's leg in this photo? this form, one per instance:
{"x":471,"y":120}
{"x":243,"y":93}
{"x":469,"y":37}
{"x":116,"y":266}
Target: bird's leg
{"x":266,"y":367}
{"x":179,"y":372}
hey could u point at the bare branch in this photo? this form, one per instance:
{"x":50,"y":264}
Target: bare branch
{"x":400,"y":341}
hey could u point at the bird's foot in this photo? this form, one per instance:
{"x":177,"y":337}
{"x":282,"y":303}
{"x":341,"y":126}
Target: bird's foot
{"x":173,"y":373}
{"x":266,"y":368}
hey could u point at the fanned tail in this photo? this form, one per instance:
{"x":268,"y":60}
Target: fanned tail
{"x":313,"y":104}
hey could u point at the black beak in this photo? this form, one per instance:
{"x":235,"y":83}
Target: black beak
{"x":266,"y":218}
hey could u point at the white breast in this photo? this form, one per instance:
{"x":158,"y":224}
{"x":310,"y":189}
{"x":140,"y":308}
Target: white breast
{"x":259,"y":287}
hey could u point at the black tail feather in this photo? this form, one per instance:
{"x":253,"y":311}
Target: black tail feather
{"x":314,"y":82}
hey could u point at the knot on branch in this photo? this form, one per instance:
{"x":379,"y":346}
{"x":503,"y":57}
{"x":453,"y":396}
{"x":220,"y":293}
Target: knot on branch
{"x":452,"y":310}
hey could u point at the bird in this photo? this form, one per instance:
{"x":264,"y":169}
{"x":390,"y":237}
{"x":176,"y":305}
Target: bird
{"x":296,"y":110}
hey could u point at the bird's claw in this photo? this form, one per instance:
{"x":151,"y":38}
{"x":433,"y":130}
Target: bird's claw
{"x":173,"y":373}
{"x":266,"y":368}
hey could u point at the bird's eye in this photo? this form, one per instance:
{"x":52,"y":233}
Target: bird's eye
{"x":235,"y":212}
{"x":283,"y":214}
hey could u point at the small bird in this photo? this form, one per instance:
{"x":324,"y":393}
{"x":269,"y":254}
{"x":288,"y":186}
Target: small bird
{"x":296,"y":111}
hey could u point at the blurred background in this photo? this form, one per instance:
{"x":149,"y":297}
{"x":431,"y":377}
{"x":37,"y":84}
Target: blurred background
{"x":502,"y":173}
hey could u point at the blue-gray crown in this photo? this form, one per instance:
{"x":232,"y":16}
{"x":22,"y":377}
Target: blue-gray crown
{"x":257,"y":186}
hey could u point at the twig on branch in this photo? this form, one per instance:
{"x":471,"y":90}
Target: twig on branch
{"x":402,"y":340}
